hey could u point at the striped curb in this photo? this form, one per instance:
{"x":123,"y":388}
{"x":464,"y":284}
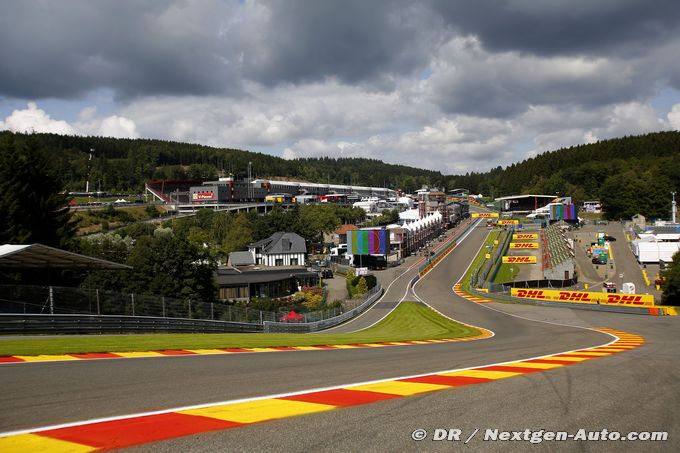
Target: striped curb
{"x":138,"y":429}
{"x":184,"y":352}
{"x":463,"y":294}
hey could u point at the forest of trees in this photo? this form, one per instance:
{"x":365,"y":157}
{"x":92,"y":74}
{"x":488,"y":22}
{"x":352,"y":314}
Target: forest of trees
{"x":629,"y":175}
{"x":123,"y":165}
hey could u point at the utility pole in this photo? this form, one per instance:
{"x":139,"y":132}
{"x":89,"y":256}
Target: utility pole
{"x":250,"y":188}
{"x":673,"y":209}
{"x":89,"y":169}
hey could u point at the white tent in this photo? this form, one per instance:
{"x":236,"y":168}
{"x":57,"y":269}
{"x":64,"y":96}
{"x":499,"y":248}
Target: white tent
{"x":653,"y":252}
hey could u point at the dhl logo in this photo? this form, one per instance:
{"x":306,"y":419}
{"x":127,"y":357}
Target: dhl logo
{"x":571,"y":296}
{"x":525,"y":236}
{"x":484,"y":214}
{"x":524,"y":245}
{"x":625,"y":299}
{"x":519,"y":259}
{"x":531,"y":293}
{"x":640,"y":300}
{"x":508,"y":222}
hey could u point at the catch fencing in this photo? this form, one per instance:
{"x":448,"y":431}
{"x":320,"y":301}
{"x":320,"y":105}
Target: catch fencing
{"x":53,"y":309}
{"x":372,"y":296}
{"x":93,"y":324}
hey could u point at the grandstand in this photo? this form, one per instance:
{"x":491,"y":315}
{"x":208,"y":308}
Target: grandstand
{"x":557,"y":254}
{"x":171,"y":191}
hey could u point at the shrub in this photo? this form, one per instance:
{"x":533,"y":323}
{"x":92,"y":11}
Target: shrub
{"x":371,"y":280}
{"x":362,"y":286}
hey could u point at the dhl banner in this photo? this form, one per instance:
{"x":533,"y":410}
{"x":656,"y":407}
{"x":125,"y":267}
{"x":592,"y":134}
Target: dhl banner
{"x":583,"y":297}
{"x":519,"y":259}
{"x":524,"y":245}
{"x":524,"y":236}
{"x":484,"y":214}
{"x":508,"y":222}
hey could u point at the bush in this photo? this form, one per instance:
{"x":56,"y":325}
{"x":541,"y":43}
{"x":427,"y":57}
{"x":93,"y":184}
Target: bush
{"x":362,"y":287}
{"x":371,"y":281}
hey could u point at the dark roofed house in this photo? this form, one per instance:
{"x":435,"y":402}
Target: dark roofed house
{"x":246,"y":282}
{"x":271,"y":268}
{"x":241,"y":259}
{"x":280,"y":249}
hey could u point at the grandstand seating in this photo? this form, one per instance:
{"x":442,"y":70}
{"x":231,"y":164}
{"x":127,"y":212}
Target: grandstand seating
{"x":556,"y":248}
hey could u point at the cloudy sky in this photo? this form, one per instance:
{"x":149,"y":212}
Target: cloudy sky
{"x":450,"y":85}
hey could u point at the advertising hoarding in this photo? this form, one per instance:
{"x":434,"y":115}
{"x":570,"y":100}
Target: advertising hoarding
{"x":519,"y":259}
{"x":524,"y":236}
{"x":524,"y":245}
{"x":585,"y":297}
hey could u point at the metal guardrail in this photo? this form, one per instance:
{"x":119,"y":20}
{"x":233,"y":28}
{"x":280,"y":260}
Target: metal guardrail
{"x":52,"y":300}
{"x":93,"y":324}
{"x":373,"y":295}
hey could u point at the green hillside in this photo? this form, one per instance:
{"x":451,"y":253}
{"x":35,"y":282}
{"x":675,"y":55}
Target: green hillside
{"x":125,"y":164}
{"x":629,"y":175}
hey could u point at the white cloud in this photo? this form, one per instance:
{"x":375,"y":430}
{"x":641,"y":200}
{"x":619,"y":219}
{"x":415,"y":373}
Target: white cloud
{"x":674,"y":117}
{"x":556,"y":128}
{"x":34,"y":119}
{"x":449,"y":146}
{"x":111,"y":126}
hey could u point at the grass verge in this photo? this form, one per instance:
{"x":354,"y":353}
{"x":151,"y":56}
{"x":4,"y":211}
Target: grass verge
{"x":479,"y":259}
{"x":409,"y":321}
{"x":505,"y":273}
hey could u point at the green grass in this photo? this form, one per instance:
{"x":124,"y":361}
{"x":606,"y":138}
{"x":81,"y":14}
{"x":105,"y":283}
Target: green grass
{"x":479,"y":259}
{"x":505,"y":273}
{"x":409,"y":321}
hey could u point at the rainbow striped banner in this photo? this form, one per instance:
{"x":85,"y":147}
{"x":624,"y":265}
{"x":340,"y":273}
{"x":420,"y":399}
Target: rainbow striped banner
{"x":368,"y":242}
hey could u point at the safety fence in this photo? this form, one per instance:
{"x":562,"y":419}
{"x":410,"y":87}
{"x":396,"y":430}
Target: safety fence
{"x":93,"y":324}
{"x":315,"y":326}
{"x":53,"y":300}
{"x":35,"y":309}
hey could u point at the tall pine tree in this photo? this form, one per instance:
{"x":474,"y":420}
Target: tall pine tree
{"x":31,"y":208}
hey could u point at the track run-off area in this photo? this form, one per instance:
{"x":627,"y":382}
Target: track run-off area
{"x":544,"y":368}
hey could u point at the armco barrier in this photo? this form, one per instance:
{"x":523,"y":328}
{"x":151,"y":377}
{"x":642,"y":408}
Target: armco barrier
{"x":95,"y":324}
{"x":305,"y":327}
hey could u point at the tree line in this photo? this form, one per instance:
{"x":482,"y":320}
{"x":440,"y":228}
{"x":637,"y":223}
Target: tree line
{"x":124,"y":165}
{"x":628,"y":175}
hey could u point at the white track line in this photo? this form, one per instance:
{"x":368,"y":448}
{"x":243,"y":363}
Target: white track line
{"x":408,"y":286}
{"x":281,"y":395}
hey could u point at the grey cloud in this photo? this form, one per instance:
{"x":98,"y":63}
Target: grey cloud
{"x":67,"y":48}
{"x":473,"y":81}
{"x":353,"y":41}
{"x":623,"y":27}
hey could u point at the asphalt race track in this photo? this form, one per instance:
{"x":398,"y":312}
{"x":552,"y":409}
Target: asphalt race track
{"x":635,"y":390}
